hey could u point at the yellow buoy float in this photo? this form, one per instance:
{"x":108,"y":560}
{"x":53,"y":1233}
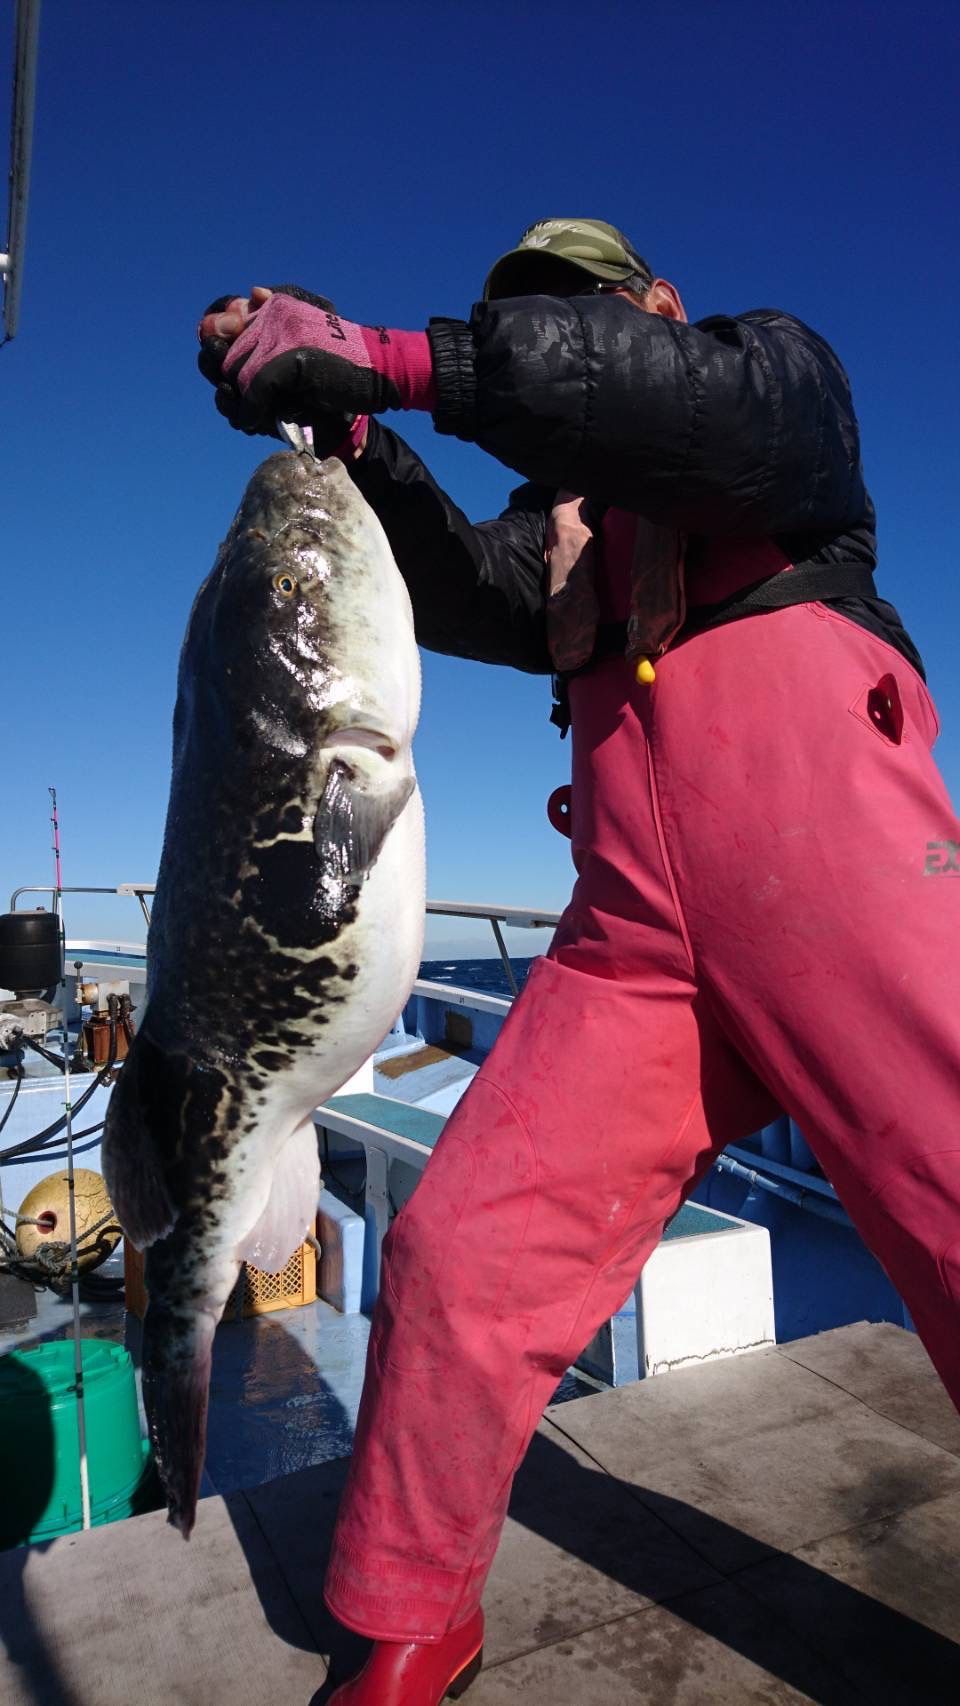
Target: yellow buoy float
{"x":44,"y":1217}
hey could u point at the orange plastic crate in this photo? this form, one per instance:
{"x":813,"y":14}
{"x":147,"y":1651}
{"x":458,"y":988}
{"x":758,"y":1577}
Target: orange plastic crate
{"x":255,"y":1293}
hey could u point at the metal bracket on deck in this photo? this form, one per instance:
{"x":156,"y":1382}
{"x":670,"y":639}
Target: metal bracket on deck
{"x":378,"y":1194}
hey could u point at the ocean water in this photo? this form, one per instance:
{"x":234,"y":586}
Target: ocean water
{"x":486,"y":975}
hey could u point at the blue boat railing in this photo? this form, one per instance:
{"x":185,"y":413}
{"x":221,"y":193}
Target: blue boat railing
{"x":513,"y":917}
{"x":759,"y":1168}
{"x":138,"y":890}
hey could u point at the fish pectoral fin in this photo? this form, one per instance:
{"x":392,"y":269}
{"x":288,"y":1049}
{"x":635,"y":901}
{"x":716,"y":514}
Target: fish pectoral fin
{"x":351,"y":824}
{"x":132,"y":1165}
{"x":291,"y":1208}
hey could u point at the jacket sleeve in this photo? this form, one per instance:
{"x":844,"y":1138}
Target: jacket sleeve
{"x":732,"y":426}
{"x":476,"y":589}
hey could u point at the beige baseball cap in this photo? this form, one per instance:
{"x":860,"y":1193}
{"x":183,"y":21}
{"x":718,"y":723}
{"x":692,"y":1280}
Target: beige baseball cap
{"x":590,"y":246}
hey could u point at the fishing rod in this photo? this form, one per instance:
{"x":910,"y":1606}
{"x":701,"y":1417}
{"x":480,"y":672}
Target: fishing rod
{"x":21,"y":142}
{"x":71,"y":1197}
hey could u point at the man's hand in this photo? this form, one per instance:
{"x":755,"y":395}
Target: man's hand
{"x":572,"y":608}
{"x":226,"y":318}
{"x":334,"y":433}
{"x":287,"y":355}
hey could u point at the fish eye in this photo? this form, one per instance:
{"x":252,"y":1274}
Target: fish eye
{"x":285,"y":583}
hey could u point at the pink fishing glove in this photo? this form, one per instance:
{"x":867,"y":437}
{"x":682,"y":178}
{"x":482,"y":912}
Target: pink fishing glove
{"x":289,"y":357}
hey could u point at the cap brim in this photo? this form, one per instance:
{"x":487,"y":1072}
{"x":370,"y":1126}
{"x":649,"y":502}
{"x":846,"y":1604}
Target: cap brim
{"x":511,"y":274}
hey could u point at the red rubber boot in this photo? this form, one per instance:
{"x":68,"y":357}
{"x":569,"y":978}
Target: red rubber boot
{"x":418,"y":1673}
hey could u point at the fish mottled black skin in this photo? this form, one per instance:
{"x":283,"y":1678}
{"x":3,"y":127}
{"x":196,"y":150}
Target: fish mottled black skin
{"x":278,"y":812}
{"x":226,"y":1015}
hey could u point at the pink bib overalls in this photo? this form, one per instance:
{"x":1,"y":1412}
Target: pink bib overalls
{"x":765,"y":917}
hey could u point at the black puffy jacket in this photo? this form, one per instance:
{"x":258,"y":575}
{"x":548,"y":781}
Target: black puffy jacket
{"x":740,"y":428}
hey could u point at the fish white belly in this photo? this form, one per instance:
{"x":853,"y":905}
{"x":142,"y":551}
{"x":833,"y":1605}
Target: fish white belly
{"x":275,"y":1169}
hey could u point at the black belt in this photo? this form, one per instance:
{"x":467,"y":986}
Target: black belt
{"x":805,"y":584}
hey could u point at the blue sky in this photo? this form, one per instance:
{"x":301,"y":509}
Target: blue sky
{"x":800,"y":156}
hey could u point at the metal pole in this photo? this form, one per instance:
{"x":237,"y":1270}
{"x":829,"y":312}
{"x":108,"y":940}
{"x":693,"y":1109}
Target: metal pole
{"x":800,"y":1198}
{"x":501,"y":944}
{"x":21,"y":141}
{"x":71,"y":1198}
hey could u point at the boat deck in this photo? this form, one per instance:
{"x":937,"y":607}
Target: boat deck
{"x":781,"y":1526}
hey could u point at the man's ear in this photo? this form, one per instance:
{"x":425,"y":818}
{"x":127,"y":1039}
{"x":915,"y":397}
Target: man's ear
{"x":664,"y":298}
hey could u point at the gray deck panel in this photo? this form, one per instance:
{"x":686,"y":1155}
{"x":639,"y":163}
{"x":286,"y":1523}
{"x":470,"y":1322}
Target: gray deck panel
{"x":881,"y":1602}
{"x":717,"y":1647}
{"x":295,"y":1517}
{"x":135,"y":1613}
{"x":569,"y":1559}
{"x":755,"y":1453}
{"x":888,"y":1369}
{"x":606,"y":1589}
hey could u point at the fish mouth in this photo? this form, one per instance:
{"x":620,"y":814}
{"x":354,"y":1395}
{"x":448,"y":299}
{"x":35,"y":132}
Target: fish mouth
{"x":374,"y":740}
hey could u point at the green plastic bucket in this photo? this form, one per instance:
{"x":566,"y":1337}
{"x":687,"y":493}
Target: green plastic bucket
{"x":39,"y":1447}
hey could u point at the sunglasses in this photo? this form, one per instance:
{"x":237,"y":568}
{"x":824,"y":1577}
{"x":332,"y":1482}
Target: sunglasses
{"x":589,"y":287}
{"x":569,"y":281}
{"x":602,"y":287}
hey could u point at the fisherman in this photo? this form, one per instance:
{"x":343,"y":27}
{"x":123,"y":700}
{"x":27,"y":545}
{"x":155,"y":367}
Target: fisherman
{"x":761,"y":919}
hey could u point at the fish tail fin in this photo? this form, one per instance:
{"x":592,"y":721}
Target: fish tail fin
{"x":177,"y":1354}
